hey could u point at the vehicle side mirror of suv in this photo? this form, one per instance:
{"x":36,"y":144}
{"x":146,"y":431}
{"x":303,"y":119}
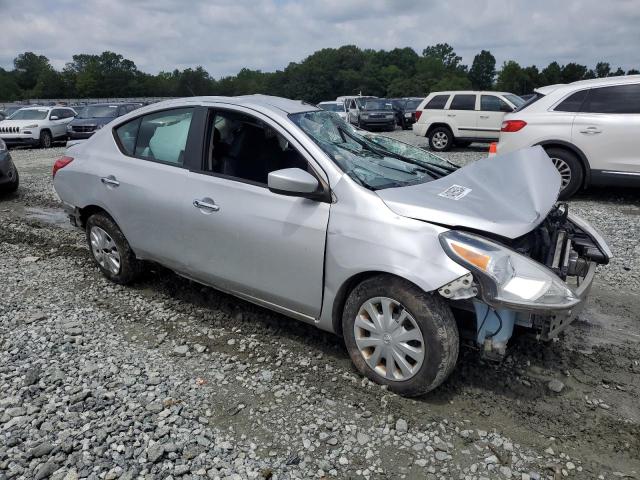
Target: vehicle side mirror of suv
{"x":294,"y":182}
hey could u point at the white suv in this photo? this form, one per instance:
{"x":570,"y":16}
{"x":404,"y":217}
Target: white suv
{"x":590,"y":129}
{"x":460,"y":118}
{"x":36,"y":126}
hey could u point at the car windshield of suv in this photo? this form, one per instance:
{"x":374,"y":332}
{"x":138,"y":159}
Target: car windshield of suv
{"x":377,"y":105}
{"x":99,"y":111}
{"x":412,"y":104}
{"x":515,"y":99}
{"x":331,"y":107}
{"x":373,"y":164}
{"x":31,"y":114}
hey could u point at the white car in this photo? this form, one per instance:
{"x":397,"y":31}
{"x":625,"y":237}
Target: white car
{"x":335,"y":106}
{"x":462,"y":117}
{"x":36,"y":126}
{"x":590,"y":129}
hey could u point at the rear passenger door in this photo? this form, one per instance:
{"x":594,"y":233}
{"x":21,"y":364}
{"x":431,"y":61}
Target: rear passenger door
{"x":492,"y":110}
{"x":607,"y":128}
{"x":462,"y":114}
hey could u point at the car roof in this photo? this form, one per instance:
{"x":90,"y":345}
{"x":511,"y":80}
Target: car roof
{"x":470,"y":92}
{"x":335,"y":102}
{"x":592,"y":82}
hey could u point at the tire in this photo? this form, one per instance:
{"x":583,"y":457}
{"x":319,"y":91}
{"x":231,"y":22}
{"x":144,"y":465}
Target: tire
{"x":570,"y":168}
{"x":129,"y":267}
{"x":440,"y":139}
{"x":13,"y":186}
{"x":435,"y":325}
{"x":46,"y":140}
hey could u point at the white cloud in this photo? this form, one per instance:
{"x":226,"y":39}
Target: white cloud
{"x":226,"y":35}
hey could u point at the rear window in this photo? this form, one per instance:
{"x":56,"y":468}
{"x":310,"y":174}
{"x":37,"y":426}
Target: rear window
{"x":437,"y":103}
{"x":573,"y":103}
{"x":537,"y":96}
{"x":463,"y":102}
{"x":616,"y":99}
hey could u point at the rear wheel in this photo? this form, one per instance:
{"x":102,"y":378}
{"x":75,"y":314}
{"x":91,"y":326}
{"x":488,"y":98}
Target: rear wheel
{"x":440,"y":139}
{"x":400,"y":336}
{"x":46,"y":140}
{"x":570,"y":169}
{"x":111,"y":251}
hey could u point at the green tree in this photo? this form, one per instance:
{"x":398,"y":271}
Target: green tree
{"x":551,"y":74}
{"x":603,"y":69}
{"x":512,"y":78}
{"x":446,"y":54}
{"x":483,"y":71}
{"x":572,"y":72}
{"x":28,"y":67}
{"x":633,"y":71}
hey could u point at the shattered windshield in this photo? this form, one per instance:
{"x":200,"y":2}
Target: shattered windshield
{"x":373,"y":161}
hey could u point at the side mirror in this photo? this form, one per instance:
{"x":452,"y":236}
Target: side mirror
{"x":54,"y":117}
{"x":294,"y":182}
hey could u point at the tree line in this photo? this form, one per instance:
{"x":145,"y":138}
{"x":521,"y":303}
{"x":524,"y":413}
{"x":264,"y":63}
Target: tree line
{"x":325,"y":74}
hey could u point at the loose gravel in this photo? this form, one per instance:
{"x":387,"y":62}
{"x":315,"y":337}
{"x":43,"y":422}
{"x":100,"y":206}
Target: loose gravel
{"x":170,"y":379}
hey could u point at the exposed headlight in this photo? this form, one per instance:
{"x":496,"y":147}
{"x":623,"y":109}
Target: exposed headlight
{"x":35,"y":125}
{"x":3,"y":146}
{"x":507,"y":278}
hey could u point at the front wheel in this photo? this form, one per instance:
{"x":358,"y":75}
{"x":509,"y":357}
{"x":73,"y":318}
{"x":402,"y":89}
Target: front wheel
{"x":570,"y":170}
{"x":400,"y":336}
{"x":46,"y":140}
{"x":440,"y":139}
{"x":111,"y":251}
{"x":15,"y":183}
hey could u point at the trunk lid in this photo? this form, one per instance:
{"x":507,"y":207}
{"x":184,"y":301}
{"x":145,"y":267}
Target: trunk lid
{"x":507,"y":195}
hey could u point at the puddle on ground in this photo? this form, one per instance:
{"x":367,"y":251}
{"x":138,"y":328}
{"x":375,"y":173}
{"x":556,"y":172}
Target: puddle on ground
{"x":50,"y":216}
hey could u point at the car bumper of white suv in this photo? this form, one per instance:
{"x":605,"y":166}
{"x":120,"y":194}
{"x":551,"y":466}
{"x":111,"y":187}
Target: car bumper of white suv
{"x":19,"y":139}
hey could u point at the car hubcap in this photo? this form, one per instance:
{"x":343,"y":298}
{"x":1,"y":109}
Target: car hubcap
{"x":104,"y":250}
{"x":564,"y":170}
{"x":389,"y":339}
{"x":440,"y":140}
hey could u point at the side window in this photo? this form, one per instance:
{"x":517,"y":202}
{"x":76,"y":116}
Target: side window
{"x":352,"y":105}
{"x":573,"y":103}
{"x":491,"y":103}
{"x":437,"y":103}
{"x":463,"y":102}
{"x":127,"y":135}
{"x":247,"y":149}
{"x":162,"y":136}
{"x":56,"y":112}
{"x":616,"y":99}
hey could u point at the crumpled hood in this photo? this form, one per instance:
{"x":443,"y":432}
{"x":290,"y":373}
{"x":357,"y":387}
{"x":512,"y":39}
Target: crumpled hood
{"x":507,"y":195}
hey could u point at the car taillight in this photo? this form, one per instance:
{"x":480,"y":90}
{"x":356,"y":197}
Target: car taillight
{"x":513,"y":125}
{"x":418,"y":113}
{"x":61,"y":163}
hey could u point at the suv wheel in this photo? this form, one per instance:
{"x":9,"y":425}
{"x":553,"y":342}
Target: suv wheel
{"x":440,"y":139}
{"x":45,"y":139}
{"x":111,"y":251}
{"x":400,"y":336}
{"x":570,"y":169}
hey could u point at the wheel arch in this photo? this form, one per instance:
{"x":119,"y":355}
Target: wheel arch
{"x":435,"y":125}
{"x":85,"y":212}
{"x":573,"y":149}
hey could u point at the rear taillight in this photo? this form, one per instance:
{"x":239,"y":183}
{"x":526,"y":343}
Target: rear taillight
{"x":513,"y":125}
{"x":61,"y":163}
{"x":418,"y":113}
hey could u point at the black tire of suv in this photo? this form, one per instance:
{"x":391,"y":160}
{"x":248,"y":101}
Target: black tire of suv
{"x":130,"y":267}
{"x":574,"y":164}
{"x":434,"y":318}
{"x":449,"y":135}
{"x":46,"y":140}
{"x":13,"y":186}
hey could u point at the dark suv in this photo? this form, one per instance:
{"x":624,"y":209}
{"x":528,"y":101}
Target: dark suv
{"x":405,"y":110}
{"x":372,"y":113}
{"x":93,"y":117}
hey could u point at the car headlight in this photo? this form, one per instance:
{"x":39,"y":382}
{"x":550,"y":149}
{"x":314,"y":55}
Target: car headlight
{"x":506,"y":277}
{"x":3,"y":146}
{"x":35,"y":125}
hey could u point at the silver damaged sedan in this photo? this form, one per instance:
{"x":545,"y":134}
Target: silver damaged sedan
{"x":285,"y":205}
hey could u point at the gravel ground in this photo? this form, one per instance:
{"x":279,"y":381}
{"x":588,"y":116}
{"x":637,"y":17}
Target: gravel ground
{"x":170,"y":379}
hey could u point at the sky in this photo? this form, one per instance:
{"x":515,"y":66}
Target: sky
{"x":226,"y":35}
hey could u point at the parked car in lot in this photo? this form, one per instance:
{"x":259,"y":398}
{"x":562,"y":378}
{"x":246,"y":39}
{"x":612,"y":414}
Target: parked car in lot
{"x":36,"y":126}
{"x":287,"y":206}
{"x":337,"y":107}
{"x":8,"y":110}
{"x":94,"y":117}
{"x":590,"y":129}
{"x":371,"y":113}
{"x":405,"y":110}
{"x":460,"y":118}
{"x":9,"y":178}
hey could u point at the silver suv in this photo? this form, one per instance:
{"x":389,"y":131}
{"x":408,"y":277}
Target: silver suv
{"x":290,"y":207}
{"x":590,"y":129}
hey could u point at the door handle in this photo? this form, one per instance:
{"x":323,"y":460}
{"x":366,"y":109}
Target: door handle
{"x":484,"y":116}
{"x":451,"y":114}
{"x":110,"y":180}
{"x":591,"y":131}
{"x":206,"y":205}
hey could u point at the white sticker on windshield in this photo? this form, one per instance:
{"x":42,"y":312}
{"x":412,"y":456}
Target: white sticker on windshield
{"x":455,"y":192}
